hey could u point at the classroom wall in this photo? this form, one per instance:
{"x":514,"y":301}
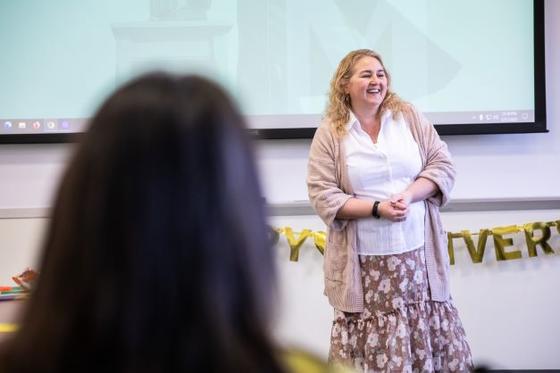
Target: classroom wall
{"x":510,"y":309}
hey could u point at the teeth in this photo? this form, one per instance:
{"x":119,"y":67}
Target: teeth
{"x":374,"y":90}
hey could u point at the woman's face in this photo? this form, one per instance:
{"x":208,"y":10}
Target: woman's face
{"x":367,"y":86}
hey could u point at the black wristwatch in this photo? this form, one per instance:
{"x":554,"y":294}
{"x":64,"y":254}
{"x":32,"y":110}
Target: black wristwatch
{"x":375,"y":210}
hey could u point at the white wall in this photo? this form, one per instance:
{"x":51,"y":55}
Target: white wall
{"x":19,"y":246}
{"x":510,"y":310}
{"x":29,"y":174}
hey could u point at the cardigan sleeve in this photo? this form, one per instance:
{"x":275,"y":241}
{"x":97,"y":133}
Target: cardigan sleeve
{"x":323,"y":185}
{"x":438,"y":166}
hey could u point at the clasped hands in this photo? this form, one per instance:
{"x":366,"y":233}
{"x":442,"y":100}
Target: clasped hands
{"x":396,"y":208}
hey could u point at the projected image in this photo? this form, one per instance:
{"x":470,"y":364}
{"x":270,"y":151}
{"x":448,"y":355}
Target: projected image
{"x":179,"y":36}
{"x":438,"y":52}
{"x":458,"y":64}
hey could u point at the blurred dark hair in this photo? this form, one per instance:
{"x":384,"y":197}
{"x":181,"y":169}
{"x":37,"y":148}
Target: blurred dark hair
{"x":156,"y":258}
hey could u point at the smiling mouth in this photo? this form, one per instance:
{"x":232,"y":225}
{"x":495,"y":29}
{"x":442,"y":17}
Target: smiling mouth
{"x":373,"y":90}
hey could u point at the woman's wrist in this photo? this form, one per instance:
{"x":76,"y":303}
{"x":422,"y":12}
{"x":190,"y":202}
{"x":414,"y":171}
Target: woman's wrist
{"x":408,"y":197}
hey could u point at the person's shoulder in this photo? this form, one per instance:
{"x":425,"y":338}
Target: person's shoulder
{"x":409,"y":109}
{"x":325,"y":126}
{"x":301,"y":361}
{"x":414,"y":117}
{"x":325,"y":130}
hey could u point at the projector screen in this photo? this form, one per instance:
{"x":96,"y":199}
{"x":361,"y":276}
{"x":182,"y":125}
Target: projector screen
{"x":473,"y":66}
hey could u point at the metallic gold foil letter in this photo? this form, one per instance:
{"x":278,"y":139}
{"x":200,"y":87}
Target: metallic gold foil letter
{"x":533,"y":242}
{"x":450,"y":248}
{"x":476,"y":253}
{"x":500,"y":243}
{"x":295,"y":243}
{"x":320,"y":239}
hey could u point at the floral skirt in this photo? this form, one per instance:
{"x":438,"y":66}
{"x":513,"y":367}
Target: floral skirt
{"x":400,"y":329}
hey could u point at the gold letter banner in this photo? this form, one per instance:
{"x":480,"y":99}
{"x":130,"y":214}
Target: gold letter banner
{"x":319,"y":237}
{"x":502,"y":237}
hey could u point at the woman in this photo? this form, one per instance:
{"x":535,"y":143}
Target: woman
{"x":377,"y":175}
{"x":157,"y":257}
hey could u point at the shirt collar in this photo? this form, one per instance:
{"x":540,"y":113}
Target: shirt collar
{"x":352,"y":120}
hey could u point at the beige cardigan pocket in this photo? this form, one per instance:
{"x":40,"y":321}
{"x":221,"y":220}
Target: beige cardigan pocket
{"x":335,"y":262}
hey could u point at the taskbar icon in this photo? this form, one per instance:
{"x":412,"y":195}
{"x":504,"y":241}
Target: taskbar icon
{"x":31,"y":126}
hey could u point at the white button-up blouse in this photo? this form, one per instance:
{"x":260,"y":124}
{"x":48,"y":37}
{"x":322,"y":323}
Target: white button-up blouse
{"x":376,"y":172}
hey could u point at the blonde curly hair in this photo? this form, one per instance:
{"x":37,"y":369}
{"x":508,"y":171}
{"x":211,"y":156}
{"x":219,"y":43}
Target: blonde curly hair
{"x":339,"y":105}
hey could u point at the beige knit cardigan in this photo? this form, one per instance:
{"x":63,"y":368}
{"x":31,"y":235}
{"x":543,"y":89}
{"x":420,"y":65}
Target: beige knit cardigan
{"x":329,"y":188}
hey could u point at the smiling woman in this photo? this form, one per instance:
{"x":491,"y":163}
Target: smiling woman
{"x":377,"y":175}
{"x":366,"y":90}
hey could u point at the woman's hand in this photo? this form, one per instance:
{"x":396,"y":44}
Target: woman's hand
{"x":394,"y":211}
{"x":401,"y":200}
